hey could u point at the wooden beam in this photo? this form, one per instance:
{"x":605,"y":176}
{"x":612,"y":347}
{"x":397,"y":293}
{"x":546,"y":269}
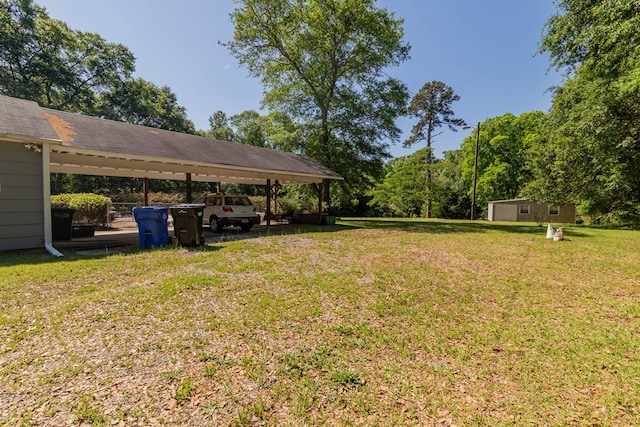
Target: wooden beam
{"x":188,"y":188}
{"x":101,"y":165}
{"x":318,"y":188}
{"x":327,"y":197}
{"x":268,"y":212}
{"x":145,"y":190}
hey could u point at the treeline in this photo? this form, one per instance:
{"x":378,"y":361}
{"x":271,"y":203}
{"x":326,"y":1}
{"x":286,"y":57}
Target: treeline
{"x":503,"y":171}
{"x":326,"y":96}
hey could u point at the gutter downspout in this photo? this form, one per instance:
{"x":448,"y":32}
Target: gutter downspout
{"x":46,"y":195}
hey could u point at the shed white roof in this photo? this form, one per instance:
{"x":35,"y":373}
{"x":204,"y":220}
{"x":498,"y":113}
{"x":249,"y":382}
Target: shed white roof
{"x":510,"y":201}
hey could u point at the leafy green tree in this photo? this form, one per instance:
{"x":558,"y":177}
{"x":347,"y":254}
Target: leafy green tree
{"x":451,"y":189}
{"x":143,"y":103}
{"x":41,"y":59}
{"x":432,"y":106}
{"x":591,"y":153}
{"x":219,"y":127}
{"x":322,"y":63}
{"x":249,"y":128}
{"x":275,"y":130}
{"x":282,"y":132}
{"x":402,"y":191}
{"x":503,"y":171}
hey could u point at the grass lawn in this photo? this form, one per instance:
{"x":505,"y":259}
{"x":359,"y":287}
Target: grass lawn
{"x":369,"y":322}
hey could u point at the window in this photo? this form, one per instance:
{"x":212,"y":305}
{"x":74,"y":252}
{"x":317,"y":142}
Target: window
{"x":554,"y":210}
{"x":524,"y":209}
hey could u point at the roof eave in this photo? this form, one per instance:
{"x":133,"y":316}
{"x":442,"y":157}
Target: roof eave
{"x":65,"y":159}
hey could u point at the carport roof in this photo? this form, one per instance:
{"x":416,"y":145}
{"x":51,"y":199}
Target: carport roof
{"x":93,"y":146}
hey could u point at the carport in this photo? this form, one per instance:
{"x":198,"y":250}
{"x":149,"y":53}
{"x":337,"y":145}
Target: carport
{"x":78,"y":144}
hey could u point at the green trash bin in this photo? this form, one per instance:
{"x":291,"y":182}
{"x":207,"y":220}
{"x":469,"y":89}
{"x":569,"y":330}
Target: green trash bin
{"x":187,"y":223}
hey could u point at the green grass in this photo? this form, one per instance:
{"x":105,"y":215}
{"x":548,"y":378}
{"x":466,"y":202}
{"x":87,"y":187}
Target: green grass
{"x":369,"y":322}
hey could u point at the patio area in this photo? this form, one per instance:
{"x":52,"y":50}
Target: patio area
{"x":122,"y":234}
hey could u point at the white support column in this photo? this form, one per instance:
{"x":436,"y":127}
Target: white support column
{"x":46,"y":199}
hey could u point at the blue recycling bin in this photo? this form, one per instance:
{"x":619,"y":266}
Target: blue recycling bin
{"x":153,"y":228}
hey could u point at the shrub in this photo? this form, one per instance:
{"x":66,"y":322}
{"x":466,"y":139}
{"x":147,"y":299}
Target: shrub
{"x":90,"y":208}
{"x":164,"y":199}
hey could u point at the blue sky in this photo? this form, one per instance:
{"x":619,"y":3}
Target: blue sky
{"x":485,"y":50}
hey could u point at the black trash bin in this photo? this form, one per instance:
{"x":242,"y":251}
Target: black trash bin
{"x":187,"y":223}
{"x":62,"y":223}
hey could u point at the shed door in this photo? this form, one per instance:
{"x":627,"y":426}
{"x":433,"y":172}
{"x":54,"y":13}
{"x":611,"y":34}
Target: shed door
{"x":505,"y":212}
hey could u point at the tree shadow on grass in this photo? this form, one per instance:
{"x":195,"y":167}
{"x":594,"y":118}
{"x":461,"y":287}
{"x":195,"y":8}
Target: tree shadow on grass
{"x":94,"y":250}
{"x":412,"y":225}
{"x":75,"y":251}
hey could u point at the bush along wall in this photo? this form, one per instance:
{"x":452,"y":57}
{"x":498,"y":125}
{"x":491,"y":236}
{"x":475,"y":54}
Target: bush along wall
{"x":90,"y":208}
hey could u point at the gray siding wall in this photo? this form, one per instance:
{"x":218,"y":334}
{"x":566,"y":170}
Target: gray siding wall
{"x":540,"y":213}
{"x":21,"y":192}
{"x":537,"y":212}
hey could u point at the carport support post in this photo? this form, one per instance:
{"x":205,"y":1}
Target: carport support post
{"x":268,"y":210}
{"x":145,"y":190}
{"x":188,"y":188}
{"x":327,"y":196}
{"x":46,"y":199}
{"x":323,"y":194}
{"x":318,"y":188}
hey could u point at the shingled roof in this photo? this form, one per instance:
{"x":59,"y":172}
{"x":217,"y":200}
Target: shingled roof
{"x":89,"y":145}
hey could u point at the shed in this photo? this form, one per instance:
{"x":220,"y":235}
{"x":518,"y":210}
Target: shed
{"x":525,"y":210}
{"x":35,"y":141}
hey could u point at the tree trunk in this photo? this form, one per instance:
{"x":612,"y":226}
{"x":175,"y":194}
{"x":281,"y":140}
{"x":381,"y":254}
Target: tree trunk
{"x":328,"y":162}
{"x":428,"y":159}
{"x":428,"y":210}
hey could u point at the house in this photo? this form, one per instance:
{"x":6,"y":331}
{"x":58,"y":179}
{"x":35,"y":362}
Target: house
{"x":36,"y":141}
{"x":524,"y":210}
